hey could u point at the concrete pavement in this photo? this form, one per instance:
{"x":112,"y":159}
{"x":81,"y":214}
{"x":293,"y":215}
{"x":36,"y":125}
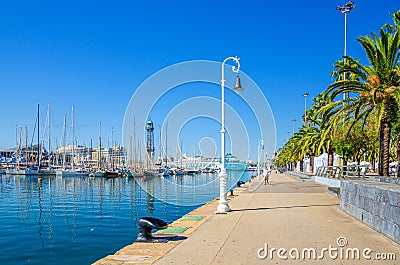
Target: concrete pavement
{"x":280,"y":223}
{"x":287,"y":214}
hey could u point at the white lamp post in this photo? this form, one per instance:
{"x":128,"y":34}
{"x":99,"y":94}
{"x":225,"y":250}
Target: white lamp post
{"x":223,"y":206}
{"x":260,"y":147}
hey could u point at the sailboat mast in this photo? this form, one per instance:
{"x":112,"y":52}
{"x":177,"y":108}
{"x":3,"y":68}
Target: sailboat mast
{"x":19,"y":147}
{"x":166,"y":145}
{"x":73,"y":139}
{"x":161,"y":147}
{"x":176,"y":153}
{"x":99,"y":154}
{"x":38,"y":135}
{"x":64,"y":141}
{"x":112,"y":148}
{"x":140,"y":155}
{"x":16,"y":138}
{"x":130,"y":152}
{"x":49,"y":151}
{"x":181,"y":149}
{"x":57,"y":158}
{"x":134,"y":144}
{"x":26,"y":147}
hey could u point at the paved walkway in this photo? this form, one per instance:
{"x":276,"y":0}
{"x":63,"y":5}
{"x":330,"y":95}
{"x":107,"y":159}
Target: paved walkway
{"x":285,"y":214}
{"x":289,"y":214}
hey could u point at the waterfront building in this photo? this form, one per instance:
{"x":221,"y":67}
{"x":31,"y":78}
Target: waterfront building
{"x":87,"y":157}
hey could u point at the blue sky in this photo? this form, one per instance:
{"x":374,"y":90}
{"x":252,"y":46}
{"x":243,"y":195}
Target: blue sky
{"x":95,"y":54}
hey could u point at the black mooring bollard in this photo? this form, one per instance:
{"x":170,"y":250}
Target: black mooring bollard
{"x":240,"y":183}
{"x":146,"y":224}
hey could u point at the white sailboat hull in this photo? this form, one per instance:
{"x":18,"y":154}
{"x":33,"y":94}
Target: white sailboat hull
{"x":71,"y":173}
{"x":22,"y":171}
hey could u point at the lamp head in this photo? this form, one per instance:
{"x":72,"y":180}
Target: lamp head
{"x":238,"y":87}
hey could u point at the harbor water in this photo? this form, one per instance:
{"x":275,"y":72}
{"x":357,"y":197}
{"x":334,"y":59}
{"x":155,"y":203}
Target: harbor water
{"x":78,"y":220}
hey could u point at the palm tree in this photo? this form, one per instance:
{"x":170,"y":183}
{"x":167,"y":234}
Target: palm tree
{"x":325,"y":129}
{"x":376,"y":88}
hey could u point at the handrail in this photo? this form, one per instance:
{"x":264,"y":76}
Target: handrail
{"x":344,"y":172}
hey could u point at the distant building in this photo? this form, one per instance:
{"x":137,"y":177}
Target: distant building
{"x":92,"y":157}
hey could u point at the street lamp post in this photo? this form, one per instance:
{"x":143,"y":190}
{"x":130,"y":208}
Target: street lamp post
{"x":305,"y":108}
{"x":223,"y":206}
{"x":346,"y":8}
{"x":260,"y":148}
{"x":290,"y":163}
{"x":294,"y":124}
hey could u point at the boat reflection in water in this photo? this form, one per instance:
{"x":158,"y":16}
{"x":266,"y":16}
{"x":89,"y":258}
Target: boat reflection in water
{"x":79,"y":220}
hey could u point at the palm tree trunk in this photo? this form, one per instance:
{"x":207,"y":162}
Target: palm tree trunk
{"x":311,"y":155}
{"x":398,"y":155}
{"x":301,"y":165}
{"x":373,"y":162}
{"x":312,"y":164}
{"x":384,"y":146}
{"x":330,"y":157}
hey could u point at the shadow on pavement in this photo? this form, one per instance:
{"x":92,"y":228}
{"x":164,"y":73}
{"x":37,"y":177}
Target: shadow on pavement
{"x":284,"y":207}
{"x":169,"y":237}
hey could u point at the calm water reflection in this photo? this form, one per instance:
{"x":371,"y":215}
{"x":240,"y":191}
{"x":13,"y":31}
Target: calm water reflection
{"x":80,"y":220}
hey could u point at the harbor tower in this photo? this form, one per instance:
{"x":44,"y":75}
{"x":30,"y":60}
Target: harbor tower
{"x":149,"y":144}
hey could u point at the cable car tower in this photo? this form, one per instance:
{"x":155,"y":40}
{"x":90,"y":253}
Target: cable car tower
{"x":149,"y":144}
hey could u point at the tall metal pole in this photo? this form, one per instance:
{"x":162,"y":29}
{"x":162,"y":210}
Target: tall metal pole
{"x":73,"y":140}
{"x":49,"y":139}
{"x":64,"y":142}
{"x":345,"y":95}
{"x":260,"y":147}
{"x":223,"y":206}
{"x":38,"y":137}
{"x":344,"y":10}
{"x":305,"y":108}
{"x":294,"y":124}
{"x":100,"y":152}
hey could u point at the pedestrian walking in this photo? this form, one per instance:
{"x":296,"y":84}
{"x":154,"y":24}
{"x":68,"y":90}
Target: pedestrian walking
{"x":266,"y":176}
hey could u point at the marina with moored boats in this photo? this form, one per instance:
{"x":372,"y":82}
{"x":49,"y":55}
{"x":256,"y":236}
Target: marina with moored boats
{"x":110,"y":162}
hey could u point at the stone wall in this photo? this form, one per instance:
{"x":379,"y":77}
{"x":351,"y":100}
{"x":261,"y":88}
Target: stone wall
{"x":386,"y":179}
{"x":377,"y":204}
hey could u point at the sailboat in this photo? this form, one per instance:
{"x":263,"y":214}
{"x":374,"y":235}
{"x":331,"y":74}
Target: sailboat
{"x":179,"y":171}
{"x":71,"y":172}
{"x":134,"y":170}
{"x":99,"y":172}
{"x":165,"y":171}
{"x":113,"y":172}
{"x":47,"y":171}
{"x":27,"y":170}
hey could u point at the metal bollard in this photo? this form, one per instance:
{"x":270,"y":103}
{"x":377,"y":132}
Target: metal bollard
{"x":240,"y":183}
{"x":146,"y":224}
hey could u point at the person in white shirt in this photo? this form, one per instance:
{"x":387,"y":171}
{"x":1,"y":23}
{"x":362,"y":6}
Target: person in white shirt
{"x":266,"y":176}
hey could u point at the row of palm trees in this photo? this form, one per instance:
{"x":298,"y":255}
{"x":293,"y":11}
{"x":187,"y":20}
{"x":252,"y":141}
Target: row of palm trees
{"x":357,"y":116}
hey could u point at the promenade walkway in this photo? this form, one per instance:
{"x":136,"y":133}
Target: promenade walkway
{"x":287,"y":214}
